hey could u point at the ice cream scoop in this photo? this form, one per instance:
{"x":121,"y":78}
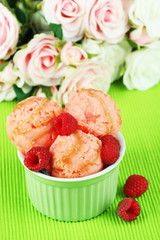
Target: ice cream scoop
{"x":96,"y":112}
{"x":76,"y":155}
{"x":31,"y":123}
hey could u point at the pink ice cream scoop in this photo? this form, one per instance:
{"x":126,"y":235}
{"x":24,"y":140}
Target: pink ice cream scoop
{"x":96,"y":112}
{"x":31,"y":123}
{"x":76,"y":155}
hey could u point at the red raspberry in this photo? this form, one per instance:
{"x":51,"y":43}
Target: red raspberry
{"x":128,"y":209}
{"x":109,"y":154}
{"x":135,"y":186}
{"x":109,"y":139}
{"x":65,"y":124}
{"x":37,"y":158}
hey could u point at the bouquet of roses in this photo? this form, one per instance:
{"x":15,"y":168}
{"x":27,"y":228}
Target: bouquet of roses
{"x":51,"y":47}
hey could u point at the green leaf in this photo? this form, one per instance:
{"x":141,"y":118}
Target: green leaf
{"x":20,"y":94}
{"x":46,"y":91}
{"x":12,"y":3}
{"x":20,"y":15}
{"x":73,"y":66}
{"x":25,"y":36}
{"x":3,"y":65}
{"x":35,"y":90}
{"x":133,"y":44}
{"x":59,"y":45}
{"x":57,"y":30}
{"x":91,"y":55}
{"x":132,"y":29}
{"x":5,"y":3}
{"x":23,"y":4}
{"x":57,"y":61}
{"x":122,"y":71}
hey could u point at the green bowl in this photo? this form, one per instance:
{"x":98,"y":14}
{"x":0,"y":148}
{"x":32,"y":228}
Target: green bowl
{"x":74,"y":199}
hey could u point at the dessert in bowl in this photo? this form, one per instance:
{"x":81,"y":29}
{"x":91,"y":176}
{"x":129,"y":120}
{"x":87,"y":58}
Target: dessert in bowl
{"x":79,"y":183}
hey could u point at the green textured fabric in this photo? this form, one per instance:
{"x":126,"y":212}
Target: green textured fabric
{"x":141,"y":129}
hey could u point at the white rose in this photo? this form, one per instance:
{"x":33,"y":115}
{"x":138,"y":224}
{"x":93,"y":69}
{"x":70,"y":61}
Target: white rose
{"x":69,"y":13}
{"x":9,"y":33}
{"x":37,"y":62}
{"x":8,"y":75}
{"x":106,"y":20}
{"x":91,"y":46}
{"x":111,"y":55}
{"x":144,"y":14}
{"x":72,"y":55}
{"x":86,"y":75}
{"x":143,"y":68}
{"x":6,"y":92}
{"x":39,"y":22}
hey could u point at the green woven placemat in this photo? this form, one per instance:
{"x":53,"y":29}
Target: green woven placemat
{"x":141,"y":128}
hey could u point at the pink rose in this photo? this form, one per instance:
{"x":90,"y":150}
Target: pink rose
{"x":106,"y":20}
{"x":127,"y":4}
{"x":9,"y":33}
{"x":69,"y":13}
{"x":72,"y":55}
{"x":37,"y":62}
{"x":141,"y":37}
{"x":87,"y":75}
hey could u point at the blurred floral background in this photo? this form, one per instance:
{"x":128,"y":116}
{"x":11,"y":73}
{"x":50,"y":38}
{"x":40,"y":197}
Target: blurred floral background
{"x":51,"y":47}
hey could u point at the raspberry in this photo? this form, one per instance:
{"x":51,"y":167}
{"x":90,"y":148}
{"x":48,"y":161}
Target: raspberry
{"x":128,"y":209}
{"x":37,"y":158}
{"x":109,"y":139}
{"x":65,"y":124}
{"x":135,"y":186}
{"x":109,"y":154}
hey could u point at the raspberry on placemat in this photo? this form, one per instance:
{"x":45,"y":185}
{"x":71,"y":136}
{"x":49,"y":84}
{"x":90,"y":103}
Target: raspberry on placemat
{"x":135,"y":186}
{"x":128,"y":209}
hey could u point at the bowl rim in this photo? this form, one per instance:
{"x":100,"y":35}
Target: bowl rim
{"x":119,"y":136}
